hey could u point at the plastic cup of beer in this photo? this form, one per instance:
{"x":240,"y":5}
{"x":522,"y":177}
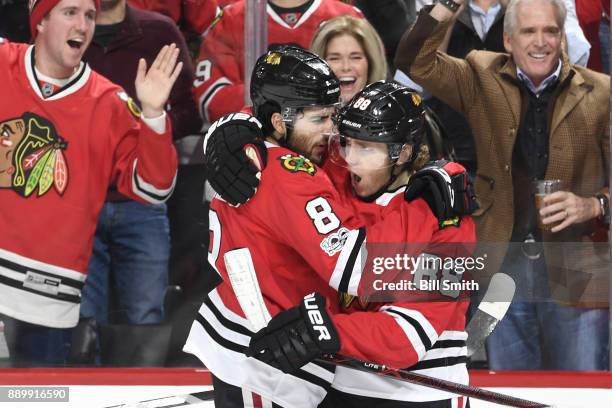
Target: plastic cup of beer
{"x":542,"y":189}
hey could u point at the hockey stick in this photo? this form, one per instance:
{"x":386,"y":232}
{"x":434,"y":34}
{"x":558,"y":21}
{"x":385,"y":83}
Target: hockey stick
{"x":491,"y":310}
{"x":241,"y":271}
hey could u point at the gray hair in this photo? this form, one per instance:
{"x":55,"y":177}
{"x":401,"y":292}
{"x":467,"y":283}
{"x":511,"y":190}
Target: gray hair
{"x":510,"y":19}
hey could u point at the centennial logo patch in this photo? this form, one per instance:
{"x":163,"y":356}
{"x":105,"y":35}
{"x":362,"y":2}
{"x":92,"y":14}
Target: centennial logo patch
{"x":334,"y":243}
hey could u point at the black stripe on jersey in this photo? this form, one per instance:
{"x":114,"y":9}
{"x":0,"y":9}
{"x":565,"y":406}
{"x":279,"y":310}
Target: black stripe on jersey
{"x":225,"y":321}
{"x":15,"y":267}
{"x":210,"y":93}
{"x":238,"y":348}
{"x":438,"y":362}
{"x":350,"y":263}
{"x":448,"y":343}
{"x":417,"y":326}
{"x":311,"y":378}
{"x":150,"y":194}
{"x":5,"y":280}
{"x":326,"y":366}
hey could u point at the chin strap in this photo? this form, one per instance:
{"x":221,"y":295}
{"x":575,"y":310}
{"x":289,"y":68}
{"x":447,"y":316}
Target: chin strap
{"x":395,"y":175}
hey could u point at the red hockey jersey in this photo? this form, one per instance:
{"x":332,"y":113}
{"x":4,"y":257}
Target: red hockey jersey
{"x":298,"y":223}
{"x":58,"y":156}
{"x":219,"y":84}
{"x":424,"y":336}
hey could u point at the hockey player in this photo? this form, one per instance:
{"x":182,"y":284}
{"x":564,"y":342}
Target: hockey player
{"x":378,"y":139}
{"x":69,"y":133}
{"x":310,"y":229}
{"x":219,"y":84}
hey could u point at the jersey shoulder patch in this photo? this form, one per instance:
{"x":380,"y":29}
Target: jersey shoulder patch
{"x":130,"y":103}
{"x":214,"y":22}
{"x":451,"y":222}
{"x":296,"y":163}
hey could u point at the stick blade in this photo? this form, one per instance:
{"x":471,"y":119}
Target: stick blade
{"x":241,"y":272}
{"x":491,"y":310}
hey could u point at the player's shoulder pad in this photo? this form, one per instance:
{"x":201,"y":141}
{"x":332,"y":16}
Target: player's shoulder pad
{"x":2,"y":40}
{"x":132,"y":106}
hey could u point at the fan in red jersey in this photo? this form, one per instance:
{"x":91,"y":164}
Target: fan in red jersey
{"x":219,"y":85}
{"x":67,"y":133}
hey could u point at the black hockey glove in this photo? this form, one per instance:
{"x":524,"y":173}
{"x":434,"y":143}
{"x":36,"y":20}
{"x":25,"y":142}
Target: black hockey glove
{"x":296,"y":336}
{"x":446,"y":188}
{"x":235,"y":156}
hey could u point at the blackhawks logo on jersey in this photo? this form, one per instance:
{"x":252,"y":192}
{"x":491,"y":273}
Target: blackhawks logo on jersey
{"x":273,"y":58}
{"x":296,"y":163}
{"x":345,"y":301}
{"x":31,"y":156}
{"x":451,"y":222}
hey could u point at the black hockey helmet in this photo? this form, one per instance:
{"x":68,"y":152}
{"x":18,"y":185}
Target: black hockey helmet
{"x":292,"y":78}
{"x":383,"y":112}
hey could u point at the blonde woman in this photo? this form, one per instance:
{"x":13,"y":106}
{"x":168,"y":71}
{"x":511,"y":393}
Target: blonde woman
{"x":354,"y":51}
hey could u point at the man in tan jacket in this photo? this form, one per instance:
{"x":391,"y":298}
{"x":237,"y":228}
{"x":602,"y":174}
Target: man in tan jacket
{"x":534,"y":116}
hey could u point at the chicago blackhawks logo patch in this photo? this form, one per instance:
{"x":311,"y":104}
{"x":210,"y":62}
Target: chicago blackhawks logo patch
{"x":32,"y":156}
{"x":345,"y":300}
{"x":296,"y":163}
{"x":273,"y":58}
{"x":451,"y":222}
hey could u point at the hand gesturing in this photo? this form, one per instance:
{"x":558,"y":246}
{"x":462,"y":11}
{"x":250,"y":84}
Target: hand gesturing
{"x":153,"y":86}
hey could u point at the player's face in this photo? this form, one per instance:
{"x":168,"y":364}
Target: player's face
{"x":369,"y":165}
{"x":63,"y":36}
{"x":348,"y":60}
{"x":11,"y":133}
{"x":535,"y":43}
{"x":310,"y":132}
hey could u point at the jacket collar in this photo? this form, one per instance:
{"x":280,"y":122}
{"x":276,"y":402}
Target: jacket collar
{"x":466,"y":19}
{"x":569,"y":77}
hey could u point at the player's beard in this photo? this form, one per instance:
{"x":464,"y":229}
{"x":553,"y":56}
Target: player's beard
{"x":106,"y":5}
